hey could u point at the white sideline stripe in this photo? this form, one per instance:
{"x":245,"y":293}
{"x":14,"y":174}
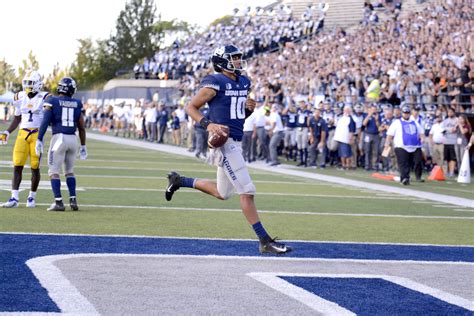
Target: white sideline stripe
{"x":157,"y":162}
{"x":462,"y":210}
{"x":70,"y":300}
{"x":286,"y":171}
{"x":309,"y":299}
{"x":196,"y":209}
{"x":259,"y":193}
{"x":243,"y":239}
{"x":61,"y":291}
{"x":442,"y":206}
{"x":272,"y":280}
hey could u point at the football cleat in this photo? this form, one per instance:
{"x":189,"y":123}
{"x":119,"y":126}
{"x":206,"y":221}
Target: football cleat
{"x":30,"y":202}
{"x":12,"y":203}
{"x":57,"y":206}
{"x":174,"y":183}
{"x":270,"y":245}
{"x":73,"y":204}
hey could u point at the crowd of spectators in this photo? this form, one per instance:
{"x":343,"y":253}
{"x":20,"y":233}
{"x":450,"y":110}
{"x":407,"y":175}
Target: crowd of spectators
{"x":422,"y":60}
{"x":256,"y":30}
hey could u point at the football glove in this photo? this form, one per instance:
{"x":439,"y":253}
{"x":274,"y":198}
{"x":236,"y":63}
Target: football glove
{"x":4,"y":137}
{"x":39,"y":147}
{"x":83,"y":152}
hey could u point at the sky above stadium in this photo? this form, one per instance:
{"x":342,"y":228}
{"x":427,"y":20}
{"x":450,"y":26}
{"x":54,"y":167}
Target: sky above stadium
{"x":50,"y":28}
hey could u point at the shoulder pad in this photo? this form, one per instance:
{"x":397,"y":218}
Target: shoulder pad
{"x":45,"y":95}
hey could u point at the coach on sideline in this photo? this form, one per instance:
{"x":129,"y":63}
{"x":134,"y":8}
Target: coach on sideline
{"x":407,"y":136}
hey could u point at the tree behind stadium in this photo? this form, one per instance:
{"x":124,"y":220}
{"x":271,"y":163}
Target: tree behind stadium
{"x":135,"y":36}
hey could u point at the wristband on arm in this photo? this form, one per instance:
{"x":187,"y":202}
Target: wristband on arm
{"x":204,"y":122}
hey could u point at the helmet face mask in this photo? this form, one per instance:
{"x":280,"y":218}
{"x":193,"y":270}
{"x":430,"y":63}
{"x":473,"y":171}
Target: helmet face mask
{"x":32,"y":83}
{"x":228,"y":58}
{"x":66,"y":86}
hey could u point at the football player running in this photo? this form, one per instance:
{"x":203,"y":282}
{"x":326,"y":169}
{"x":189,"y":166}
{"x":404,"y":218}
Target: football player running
{"x":28,"y":115}
{"x":226,"y":93}
{"x":65,"y":115}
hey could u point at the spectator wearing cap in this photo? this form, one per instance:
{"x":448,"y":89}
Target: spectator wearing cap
{"x":371,"y":125}
{"x":407,"y":136}
{"x":276,"y":132}
{"x":317,"y":138}
{"x":450,"y":138}
{"x":289,"y":117}
{"x":303,"y":115}
{"x":344,"y":135}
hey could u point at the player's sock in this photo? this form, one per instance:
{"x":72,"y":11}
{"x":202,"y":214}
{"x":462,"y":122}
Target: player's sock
{"x":71,"y":185}
{"x":32,"y":194}
{"x":56,"y":186}
{"x":188,"y":182}
{"x":259,"y":230}
{"x":301,"y":156}
{"x":305,"y":156}
{"x":15,"y":194}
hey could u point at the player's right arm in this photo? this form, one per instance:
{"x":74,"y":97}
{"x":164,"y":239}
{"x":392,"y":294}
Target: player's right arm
{"x":203,"y":96}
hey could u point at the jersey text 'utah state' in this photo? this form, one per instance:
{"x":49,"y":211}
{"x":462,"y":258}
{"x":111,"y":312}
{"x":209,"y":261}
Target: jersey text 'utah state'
{"x":228,"y":105}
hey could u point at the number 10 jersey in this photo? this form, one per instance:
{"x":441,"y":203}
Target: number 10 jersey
{"x":228,"y":106}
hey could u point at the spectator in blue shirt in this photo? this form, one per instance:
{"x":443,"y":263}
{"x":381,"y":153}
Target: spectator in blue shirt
{"x":162,"y":121}
{"x":371,"y":125}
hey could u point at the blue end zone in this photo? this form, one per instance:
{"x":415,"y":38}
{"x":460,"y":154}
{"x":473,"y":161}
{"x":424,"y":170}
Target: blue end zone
{"x":373,"y":296}
{"x":20,"y":290}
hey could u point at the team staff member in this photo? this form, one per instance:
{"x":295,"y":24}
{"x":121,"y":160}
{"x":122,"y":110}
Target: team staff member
{"x":407,"y":136}
{"x":318,"y":130}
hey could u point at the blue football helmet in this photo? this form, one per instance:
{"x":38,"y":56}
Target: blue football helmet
{"x":66,"y":86}
{"x":223,"y":59}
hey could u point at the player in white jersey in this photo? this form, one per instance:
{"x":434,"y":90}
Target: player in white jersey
{"x":28,"y":115}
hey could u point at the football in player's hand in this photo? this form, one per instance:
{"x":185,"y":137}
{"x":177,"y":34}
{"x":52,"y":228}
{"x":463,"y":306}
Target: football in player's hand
{"x":218,"y":139}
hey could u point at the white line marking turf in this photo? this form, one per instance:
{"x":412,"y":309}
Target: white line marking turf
{"x":196,"y":209}
{"x":286,"y":171}
{"x":71,"y":301}
{"x":272,"y":280}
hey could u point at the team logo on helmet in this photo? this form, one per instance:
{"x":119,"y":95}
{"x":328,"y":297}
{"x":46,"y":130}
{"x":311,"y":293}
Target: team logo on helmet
{"x":228,"y":58}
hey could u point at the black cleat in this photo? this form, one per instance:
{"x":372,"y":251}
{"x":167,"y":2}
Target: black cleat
{"x":270,"y":245}
{"x":58,"y":206}
{"x":174,"y":183}
{"x":73,"y":204}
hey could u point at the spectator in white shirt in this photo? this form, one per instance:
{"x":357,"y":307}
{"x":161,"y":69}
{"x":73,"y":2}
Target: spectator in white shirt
{"x":344,"y":135}
{"x":437,"y":141}
{"x":277,"y":133}
{"x":450,"y":138}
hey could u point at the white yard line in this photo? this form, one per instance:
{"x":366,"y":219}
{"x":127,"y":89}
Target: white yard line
{"x":283,"y":169}
{"x":197,"y":209}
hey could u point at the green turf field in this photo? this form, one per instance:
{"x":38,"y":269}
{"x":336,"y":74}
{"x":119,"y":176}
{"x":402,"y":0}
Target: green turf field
{"x":121,"y":192}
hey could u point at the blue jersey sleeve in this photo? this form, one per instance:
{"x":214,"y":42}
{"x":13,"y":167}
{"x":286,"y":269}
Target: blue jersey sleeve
{"x":210,"y":82}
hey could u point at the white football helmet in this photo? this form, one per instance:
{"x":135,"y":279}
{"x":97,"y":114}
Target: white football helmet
{"x":32,"y":82}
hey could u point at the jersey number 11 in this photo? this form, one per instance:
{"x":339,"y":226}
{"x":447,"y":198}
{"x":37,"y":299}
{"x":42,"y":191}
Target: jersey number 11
{"x":67,"y":117}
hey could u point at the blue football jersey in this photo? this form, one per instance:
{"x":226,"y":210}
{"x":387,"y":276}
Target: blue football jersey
{"x":66,"y":113}
{"x":302,"y":117}
{"x":291,"y":121}
{"x":228,"y":106}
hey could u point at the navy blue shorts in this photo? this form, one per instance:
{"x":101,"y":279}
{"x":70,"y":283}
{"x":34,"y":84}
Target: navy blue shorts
{"x":344,"y":150}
